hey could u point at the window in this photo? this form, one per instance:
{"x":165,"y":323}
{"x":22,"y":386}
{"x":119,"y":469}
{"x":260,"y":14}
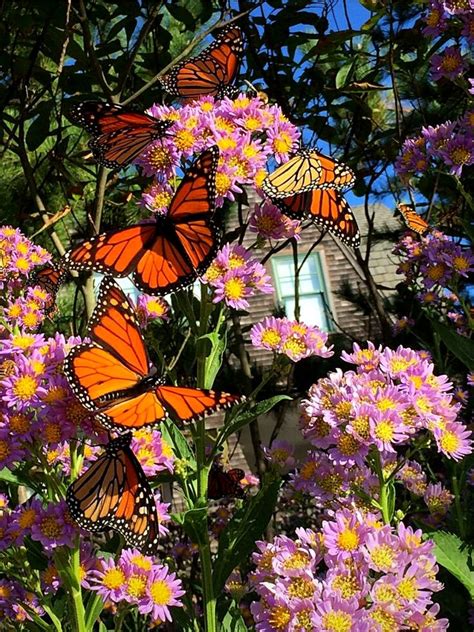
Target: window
{"x":124,"y":283}
{"x":313,"y":294}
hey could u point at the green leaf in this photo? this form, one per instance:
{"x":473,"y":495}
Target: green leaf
{"x":8,"y":476}
{"x":39,"y":128}
{"x":246,"y":417}
{"x":194,"y":523}
{"x":238,"y":539}
{"x":94,"y":606}
{"x":35,"y":555}
{"x":456,"y":557}
{"x":232,"y":620}
{"x":343,"y":74}
{"x":211,"y":347}
{"x":460,"y":346}
{"x":175,"y":438}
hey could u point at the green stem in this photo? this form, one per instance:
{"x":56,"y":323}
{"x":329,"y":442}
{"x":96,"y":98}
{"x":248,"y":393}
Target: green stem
{"x":208,"y":596}
{"x":458,"y":506}
{"x":78,"y":611}
{"x":383,"y":502}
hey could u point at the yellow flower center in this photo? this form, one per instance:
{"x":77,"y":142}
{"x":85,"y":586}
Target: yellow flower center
{"x":348,"y":540}
{"x":161,"y":199}
{"x":136,"y":586}
{"x":361,"y":426}
{"x":159,"y":157}
{"x":407,"y":589}
{"x":308,"y":470}
{"x":52,"y":432}
{"x":384,"y":430}
{"x":5,"y":592}
{"x":386,"y":404}
{"x":382,"y":557}
{"x":460,"y":155}
{"x":4,"y":449}
{"x":25,"y":387}
{"x":7,"y":368}
{"x":301,"y":588}
{"x":234,"y":288}
{"x":346,"y":585}
{"x":348,"y":445}
{"x":160,"y":592}
{"x":55,"y":394}
{"x":142,"y":562}
{"x":223,"y":183}
{"x":283,"y":144}
{"x":166,"y":449}
{"x":184,"y":139}
{"x":19,"y":423}
{"x":337,"y":621}
{"x":331,"y":483}
{"x":386,"y":621}
{"x":271,"y":337}
{"x":14,"y":311}
{"x":22,"y":264}
{"x":386,"y":594}
{"x":260,"y":177}
{"x":343,"y":409}
{"x":31,"y":320}
{"x":294,"y":346}
{"x":226,"y":142}
{"x":450,"y":442}
{"x":27,"y":518}
{"x":252,"y":123}
{"x":433,"y":17}
{"x":450,"y":63}
{"x":279,"y":617}
{"x":296,"y":561}
{"x":113,"y":578}
{"x":50,"y":527}
{"x":436,"y":271}
{"x":23,"y":341}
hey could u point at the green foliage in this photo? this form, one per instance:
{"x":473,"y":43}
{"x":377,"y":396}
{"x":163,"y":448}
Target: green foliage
{"x":457,"y":557}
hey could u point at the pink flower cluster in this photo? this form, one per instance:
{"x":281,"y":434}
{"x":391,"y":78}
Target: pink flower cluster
{"x":17,"y":604}
{"x":354,"y":574}
{"x":432,"y":265}
{"x":235,"y":276}
{"x":450,"y":143}
{"x":19,"y":306}
{"x":392,"y":397}
{"x":137,"y":580}
{"x":451,"y":15}
{"x":246,"y":130}
{"x":291,"y":338}
{"x":270,"y":223}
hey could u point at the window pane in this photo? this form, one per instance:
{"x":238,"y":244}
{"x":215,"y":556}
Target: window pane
{"x":312,"y":311}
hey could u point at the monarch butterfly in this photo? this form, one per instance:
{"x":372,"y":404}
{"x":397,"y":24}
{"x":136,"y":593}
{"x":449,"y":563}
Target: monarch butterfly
{"x":327,"y":208}
{"x":118,"y":135}
{"x":306,"y":170}
{"x":49,"y":279}
{"x":169,"y":253}
{"x":224,"y":482}
{"x":210,"y":73}
{"x":114,"y":493}
{"x":112,"y":377}
{"x":412,"y":219}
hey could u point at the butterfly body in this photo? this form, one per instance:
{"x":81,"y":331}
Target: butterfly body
{"x":211,"y":73}
{"x":114,"y":493}
{"x":170,"y":252}
{"x":114,"y":379}
{"x":118,"y":135}
{"x":222,"y":483}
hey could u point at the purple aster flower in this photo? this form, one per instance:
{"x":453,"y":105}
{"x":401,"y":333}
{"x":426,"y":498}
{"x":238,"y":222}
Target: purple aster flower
{"x":468,"y":28}
{"x":269,"y":333}
{"x":453,"y":440}
{"x":366,"y":359}
{"x":152,"y":451}
{"x":435,"y":19}
{"x":438,"y":499}
{"x":280,"y":453}
{"x":160,"y":157}
{"x":54,"y":527}
{"x":459,"y":152}
{"x":270,"y":223}
{"x":50,"y":579}
{"x":151,"y":308}
{"x":163,"y":591}
{"x":344,"y":536}
{"x":449,"y":64}
{"x":157,"y":197}
{"x":427,"y":621}
{"x":233,"y":288}
{"x":109,"y":580}
{"x":331,"y":610}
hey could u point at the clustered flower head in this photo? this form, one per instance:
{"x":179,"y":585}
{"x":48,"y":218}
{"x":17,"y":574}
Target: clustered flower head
{"x":152,"y":308}
{"x":235,"y":276}
{"x":391,"y":400}
{"x":270,"y":223}
{"x":291,"y":338}
{"x":449,"y":143}
{"x":137,"y":580}
{"x":21,"y":306}
{"x":246,"y":130}
{"x":432,"y":265}
{"x":354,"y":574}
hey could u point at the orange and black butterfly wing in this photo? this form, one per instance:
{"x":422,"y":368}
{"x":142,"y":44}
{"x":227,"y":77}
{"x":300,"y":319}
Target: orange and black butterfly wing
{"x":413,"y":221}
{"x":223,"y":483}
{"x":210,"y":73}
{"x":119,"y":135}
{"x":105,"y":374}
{"x":114,"y":493}
{"x":189,"y":404}
{"x":49,"y":278}
{"x":189,"y":238}
{"x":328,"y":209}
{"x":115,"y":253}
{"x":334,"y":174}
